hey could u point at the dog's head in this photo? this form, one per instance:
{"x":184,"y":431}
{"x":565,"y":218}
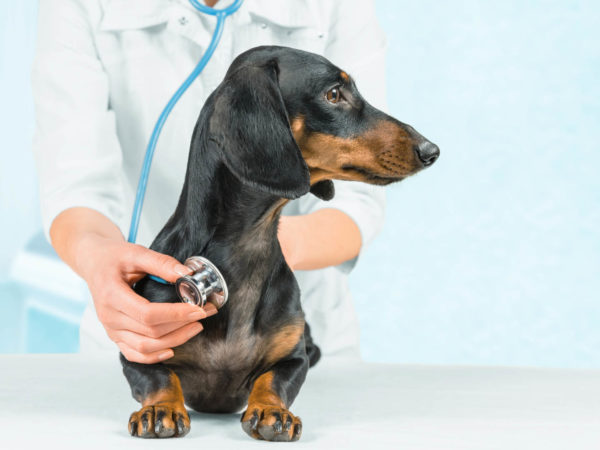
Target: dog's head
{"x":288,"y":121}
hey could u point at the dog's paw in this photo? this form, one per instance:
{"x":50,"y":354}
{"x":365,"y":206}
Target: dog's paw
{"x":271,"y":423}
{"x":160,"y":421}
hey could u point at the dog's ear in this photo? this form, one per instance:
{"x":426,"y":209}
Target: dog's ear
{"x":251,"y":126}
{"x":323,"y":189}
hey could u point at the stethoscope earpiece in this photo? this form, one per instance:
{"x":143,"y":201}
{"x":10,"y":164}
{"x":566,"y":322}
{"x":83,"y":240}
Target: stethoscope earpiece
{"x":206,"y":284}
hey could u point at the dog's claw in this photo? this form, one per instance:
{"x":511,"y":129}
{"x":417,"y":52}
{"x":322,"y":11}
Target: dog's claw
{"x":271,"y":424}
{"x":297,"y":430}
{"x":182,"y":428}
{"x":144,"y":424}
{"x":254,"y":420}
{"x":288,"y":423}
{"x":249,"y":424}
{"x":159,"y":421}
{"x":132,"y":426}
{"x":277,"y":426}
{"x":163,"y":423}
{"x":158,"y":426}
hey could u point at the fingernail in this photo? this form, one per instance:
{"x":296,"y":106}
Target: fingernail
{"x":182,"y":270}
{"x":210,"y":311}
{"x":166,"y":355}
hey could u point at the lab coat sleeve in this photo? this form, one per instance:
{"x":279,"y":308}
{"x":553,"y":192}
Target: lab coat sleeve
{"x":77,"y":153}
{"x":357,"y":45}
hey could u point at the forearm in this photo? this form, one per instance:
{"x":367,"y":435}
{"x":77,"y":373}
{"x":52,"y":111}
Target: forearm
{"x":72,"y":227}
{"x":324,"y":238}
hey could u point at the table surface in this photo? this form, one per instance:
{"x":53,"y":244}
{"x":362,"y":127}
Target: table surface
{"x":73,"y":401}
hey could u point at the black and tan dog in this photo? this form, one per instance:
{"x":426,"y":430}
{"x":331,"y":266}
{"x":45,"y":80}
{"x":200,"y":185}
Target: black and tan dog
{"x":282,"y":123}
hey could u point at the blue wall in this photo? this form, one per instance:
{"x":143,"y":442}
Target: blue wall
{"x":19,"y":216}
{"x":492,"y":256}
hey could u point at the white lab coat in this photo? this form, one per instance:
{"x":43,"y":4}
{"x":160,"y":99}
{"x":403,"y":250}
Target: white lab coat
{"x":103,"y":71}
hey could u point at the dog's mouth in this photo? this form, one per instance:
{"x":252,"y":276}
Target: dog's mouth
{"x":371,"y":177}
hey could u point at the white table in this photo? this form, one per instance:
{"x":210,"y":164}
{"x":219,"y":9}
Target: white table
{"x":72,"y":401}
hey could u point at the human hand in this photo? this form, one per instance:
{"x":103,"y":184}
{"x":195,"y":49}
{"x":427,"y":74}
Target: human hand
{"x":145,"y":332}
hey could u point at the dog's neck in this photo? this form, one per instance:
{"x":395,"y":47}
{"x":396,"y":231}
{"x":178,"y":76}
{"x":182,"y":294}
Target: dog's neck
{"x":217,"y":210}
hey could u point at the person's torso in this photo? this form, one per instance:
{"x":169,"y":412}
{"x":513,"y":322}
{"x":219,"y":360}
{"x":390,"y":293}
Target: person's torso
{"x":148,"y":48}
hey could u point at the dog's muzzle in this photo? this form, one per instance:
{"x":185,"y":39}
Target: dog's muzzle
{"x":206,"y":284}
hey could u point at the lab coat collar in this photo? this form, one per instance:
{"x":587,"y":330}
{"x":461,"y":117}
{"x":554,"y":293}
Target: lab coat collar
{"x":120,"y":15}
{"x":135,"y":14}
{"x":297,"y":14}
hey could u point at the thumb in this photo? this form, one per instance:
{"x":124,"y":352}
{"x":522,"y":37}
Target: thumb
{"x":159,"y":264}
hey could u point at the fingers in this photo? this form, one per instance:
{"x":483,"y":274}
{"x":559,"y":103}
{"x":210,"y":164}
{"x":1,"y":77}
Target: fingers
{"x":149,"y":314}
{"x":145,"y":332}
{"x":144,"y":358}
{"x":154,"y":263}
{"x":143,"y":349}
{"x":117,"y":321}
{"x":210,"y":309}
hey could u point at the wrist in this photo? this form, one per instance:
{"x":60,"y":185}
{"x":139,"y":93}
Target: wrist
{"x":84,"y":248}
{"x":79,"y":234}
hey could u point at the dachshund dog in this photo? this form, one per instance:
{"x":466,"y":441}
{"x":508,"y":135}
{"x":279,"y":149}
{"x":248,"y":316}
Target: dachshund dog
{"x":282,"y":123}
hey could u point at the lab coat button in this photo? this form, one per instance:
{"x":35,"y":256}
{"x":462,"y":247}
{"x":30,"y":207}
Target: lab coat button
{"x":183,"y":20}
{"x":263,"y":25}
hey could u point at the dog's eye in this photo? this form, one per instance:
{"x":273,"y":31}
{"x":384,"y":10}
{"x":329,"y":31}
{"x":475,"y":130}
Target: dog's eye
{"x":334,"y":95}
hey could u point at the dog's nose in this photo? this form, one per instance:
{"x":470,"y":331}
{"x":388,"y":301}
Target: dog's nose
{"x":427,"y":152}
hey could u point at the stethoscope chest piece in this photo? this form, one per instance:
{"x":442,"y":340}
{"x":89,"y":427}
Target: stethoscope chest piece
{"x":206,"y":284}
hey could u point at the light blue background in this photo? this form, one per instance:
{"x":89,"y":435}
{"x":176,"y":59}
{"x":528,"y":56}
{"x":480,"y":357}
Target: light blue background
{"x":492,"y":256}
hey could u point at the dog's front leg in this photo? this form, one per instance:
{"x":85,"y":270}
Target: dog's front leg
{"x":158,"y":389}
{"x":267,"y":416}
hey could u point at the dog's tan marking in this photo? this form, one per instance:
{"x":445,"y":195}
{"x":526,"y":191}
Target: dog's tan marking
{"x":385,"y":150}
{"x":274,"y":212}
{"x":160,"y":413}
{"x":262,"y":392}
{"x":344,"y":76}
{"x":283,"y":341}
{"x":169,"y":394}
{"x":297,"y":126}
{"x":265,"y":408}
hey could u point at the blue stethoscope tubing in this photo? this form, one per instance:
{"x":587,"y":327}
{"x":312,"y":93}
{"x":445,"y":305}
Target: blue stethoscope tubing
{"x":221,"y":15}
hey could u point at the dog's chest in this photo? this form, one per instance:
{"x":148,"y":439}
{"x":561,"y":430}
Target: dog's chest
{"x":215,"y":374}
{"x":228,"y":350}
{"x":217,"y":367}
{"x":238,"y":350}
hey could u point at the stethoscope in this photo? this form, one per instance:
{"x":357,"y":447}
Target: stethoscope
{"x":205,"y":284}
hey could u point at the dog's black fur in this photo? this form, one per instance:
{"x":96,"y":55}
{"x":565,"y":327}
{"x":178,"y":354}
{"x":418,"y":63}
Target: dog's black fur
{"x":271,"y":131}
